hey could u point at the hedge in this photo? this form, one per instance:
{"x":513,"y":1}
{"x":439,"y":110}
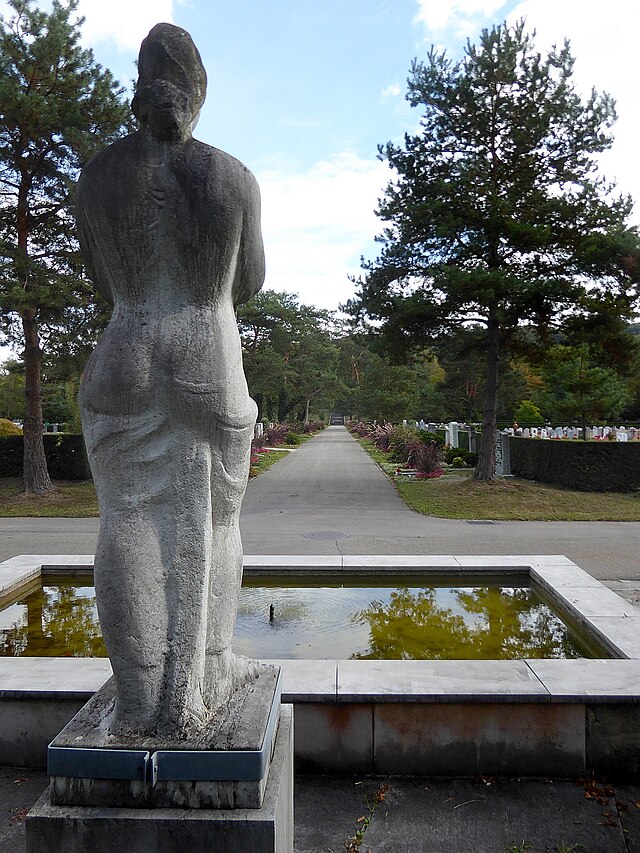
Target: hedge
{"x":66,"y":456}
{"x":588,"y":466}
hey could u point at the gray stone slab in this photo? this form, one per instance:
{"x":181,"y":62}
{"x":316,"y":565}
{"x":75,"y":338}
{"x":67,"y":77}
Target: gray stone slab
{"x":20,"y":787}
{"x":327,"y":811}
{"x":460,"y":815}
{"x":522,"y":561}
{"x":622,"y":635}
{"x":438,"y":681}
{"x":591,"y":602}
{"x":566,"y":575}
{"x":609,"y":680}
{"x":44,"y":677}
{"x":307,"y":680}
{"x":400,"y":562}
{"x":628,"y":799}
{"x":75,"y":829}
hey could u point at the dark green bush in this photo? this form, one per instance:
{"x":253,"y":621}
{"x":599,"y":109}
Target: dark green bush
{"x":66,"y":456}
{"x":428,"y":437}
{"x":588,"y":466}
{"x":470,"y":459}
{"x":292,"y":438}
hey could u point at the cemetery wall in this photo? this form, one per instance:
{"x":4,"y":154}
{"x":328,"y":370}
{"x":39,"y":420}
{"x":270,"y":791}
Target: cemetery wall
{"x":66,"y":456}
{"x":589,"y":466}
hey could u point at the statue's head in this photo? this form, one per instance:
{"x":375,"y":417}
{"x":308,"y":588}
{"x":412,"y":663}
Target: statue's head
{"x":172,"y":83}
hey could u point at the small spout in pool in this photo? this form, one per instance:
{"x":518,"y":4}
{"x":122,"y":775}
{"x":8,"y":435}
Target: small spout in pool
{"x":272,"y":612}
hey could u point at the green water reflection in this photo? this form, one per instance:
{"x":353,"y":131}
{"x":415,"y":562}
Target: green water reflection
{"x":56,"y":620}
{"x":511,"y":623}
{"x":359,"y":618}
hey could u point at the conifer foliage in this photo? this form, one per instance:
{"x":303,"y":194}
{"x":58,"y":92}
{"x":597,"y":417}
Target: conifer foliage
{"x":497,"y":215}
{"x":57,"y":108}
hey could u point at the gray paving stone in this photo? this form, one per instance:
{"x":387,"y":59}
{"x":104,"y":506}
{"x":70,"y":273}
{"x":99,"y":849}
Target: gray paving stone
{"x":460,"y":815}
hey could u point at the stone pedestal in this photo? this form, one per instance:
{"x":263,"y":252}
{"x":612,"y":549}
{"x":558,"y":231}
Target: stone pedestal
{"x":228,"y":789}
{"x":269,"y":829}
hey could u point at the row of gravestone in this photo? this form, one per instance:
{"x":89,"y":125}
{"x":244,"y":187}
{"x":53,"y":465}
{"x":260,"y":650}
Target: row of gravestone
{"x":620,"y":433}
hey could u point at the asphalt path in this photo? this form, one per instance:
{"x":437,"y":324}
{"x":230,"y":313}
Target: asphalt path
{"x":329,"y":497}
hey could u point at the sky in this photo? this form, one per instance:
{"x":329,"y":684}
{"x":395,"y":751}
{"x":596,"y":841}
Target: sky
{"x":303,"y":92}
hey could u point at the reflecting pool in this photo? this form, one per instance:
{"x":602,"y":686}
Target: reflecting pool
{"x":409,"y":618}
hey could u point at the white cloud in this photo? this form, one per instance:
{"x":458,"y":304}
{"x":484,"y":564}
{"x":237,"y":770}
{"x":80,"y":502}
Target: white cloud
{"x":604,"y":43}
{"x":124,"y":22}
{"x":317,"y":223}
{"x":463,"y":14}
{"x":391,"y":91}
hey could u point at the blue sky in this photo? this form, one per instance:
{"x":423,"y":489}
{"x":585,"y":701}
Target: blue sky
{"x":303,"y":91}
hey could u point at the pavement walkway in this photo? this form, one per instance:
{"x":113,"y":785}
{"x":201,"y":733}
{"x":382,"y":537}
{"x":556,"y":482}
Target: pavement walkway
{"x":480,"y":815}
{"x":329,"y":497}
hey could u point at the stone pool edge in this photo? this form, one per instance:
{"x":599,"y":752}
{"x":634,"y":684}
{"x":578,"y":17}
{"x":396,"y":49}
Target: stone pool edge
{"x":399,"y":716}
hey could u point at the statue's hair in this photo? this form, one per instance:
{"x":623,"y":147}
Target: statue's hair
{"x":168,"y":53}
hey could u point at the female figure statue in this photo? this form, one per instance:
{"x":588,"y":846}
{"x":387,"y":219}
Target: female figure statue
{"x":170,"y":233}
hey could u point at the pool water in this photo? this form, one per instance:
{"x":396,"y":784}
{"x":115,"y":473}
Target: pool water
{"x":359,"y":618}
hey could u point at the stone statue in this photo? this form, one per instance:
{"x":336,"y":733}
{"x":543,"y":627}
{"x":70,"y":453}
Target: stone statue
{"x":170,"y":233}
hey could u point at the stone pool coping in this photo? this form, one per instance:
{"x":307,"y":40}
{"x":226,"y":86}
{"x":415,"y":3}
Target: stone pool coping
{"x":600,"y":612}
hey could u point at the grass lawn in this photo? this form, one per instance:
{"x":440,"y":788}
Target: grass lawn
{"x":78,"y":499}
{"x":70,"y":500}
{"x":458,"y":496}
{"x":266,"y":460}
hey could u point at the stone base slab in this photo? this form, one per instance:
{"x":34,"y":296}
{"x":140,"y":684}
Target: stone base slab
{"x":77,"y":829}
{"x":224,"y":766}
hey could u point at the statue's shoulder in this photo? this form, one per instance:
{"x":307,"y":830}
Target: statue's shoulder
{"x":113,"y":155}
{"x":224,"y":162}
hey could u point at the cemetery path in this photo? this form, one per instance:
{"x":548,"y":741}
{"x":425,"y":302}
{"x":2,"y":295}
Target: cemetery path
{"x":329,"y":497}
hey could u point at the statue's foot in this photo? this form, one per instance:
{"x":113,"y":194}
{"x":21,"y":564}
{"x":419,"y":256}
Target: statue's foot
{"x":226,"y":673}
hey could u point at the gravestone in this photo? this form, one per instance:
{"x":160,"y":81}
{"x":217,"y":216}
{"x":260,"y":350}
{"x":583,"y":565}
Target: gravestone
{"x":473,"y":440}
{"x":170,"y":233}
{"x":452,"y":434}
{"x":503,"y":456}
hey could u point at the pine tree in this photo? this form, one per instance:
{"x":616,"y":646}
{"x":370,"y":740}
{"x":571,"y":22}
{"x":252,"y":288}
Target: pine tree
{"x":497,"y":215}
{"x":57,"y":108}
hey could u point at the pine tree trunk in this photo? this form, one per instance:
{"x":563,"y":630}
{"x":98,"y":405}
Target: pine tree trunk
{"x":306,"y":412}
{"x":35,"y":473}
{"x":487,"y":456}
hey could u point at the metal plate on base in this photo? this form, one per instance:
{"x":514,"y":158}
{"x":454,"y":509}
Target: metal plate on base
{"x":234,"y":765}
{"x":98,"y":763}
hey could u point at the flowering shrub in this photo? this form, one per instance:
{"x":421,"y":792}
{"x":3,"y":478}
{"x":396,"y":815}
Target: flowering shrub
{"x":427,"y":459}
{"x":380,"y":436}
{"x":361,"y":429}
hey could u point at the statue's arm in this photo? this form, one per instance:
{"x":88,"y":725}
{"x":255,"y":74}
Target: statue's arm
{"x":87,"y":232}
{"x":250,"y":270}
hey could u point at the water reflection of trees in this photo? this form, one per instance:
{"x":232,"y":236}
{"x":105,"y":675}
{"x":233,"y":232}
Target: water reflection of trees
{"x":511,"y":623}
{"x":59,"y":623}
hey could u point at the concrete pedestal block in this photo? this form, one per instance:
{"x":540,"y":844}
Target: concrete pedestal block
{"x":223,"y":766}
{"x":269,"y":829}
